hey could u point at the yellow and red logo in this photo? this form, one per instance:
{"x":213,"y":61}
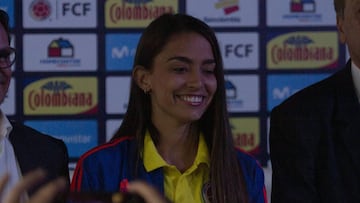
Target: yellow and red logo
{"x":246,"y":134}
{"x":303,"y":50}
{"x":61,"y":95}
{"x":137,"y":14}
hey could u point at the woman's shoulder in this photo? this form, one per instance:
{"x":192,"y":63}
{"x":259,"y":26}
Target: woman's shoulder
{"x":251,"y":168}
{"x":117,"y":147}
{"x":246,"y":158}
{"x":253,"y":175}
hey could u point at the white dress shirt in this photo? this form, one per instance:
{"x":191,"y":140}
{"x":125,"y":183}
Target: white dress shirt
{"x":8,"y":161}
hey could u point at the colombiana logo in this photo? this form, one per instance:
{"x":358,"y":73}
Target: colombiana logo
{"x":137,"y":10}
{"x":297,"y":48}
{"x":137,"y":2}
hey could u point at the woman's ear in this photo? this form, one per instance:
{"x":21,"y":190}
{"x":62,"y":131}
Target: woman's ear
{"x":340,"y":25}
{"x":142,"y":78}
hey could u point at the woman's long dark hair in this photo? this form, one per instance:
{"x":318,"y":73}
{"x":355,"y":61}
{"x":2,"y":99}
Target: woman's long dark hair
{"x":226,"y":176}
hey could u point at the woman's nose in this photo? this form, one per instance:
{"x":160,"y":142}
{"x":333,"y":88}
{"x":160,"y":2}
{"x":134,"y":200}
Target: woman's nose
{"x":195,"y":79}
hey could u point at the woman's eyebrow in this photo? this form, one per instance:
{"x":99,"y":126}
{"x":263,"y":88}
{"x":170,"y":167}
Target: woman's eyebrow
{"x":189,"y":61}
{"x":180,"y":58}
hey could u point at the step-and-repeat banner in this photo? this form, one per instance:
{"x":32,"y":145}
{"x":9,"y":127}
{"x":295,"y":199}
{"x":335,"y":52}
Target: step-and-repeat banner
{"x":74,"y":57}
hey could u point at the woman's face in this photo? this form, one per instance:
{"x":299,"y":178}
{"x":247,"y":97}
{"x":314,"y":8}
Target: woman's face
{"x":182,"y":79}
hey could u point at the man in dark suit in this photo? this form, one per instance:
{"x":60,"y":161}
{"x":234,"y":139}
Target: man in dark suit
{"x":315,"y":134}
{"x":35,"y":150}
{"x":23,"y":149}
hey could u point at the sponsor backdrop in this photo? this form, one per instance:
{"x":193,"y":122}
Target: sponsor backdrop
{"x":74,"y":57}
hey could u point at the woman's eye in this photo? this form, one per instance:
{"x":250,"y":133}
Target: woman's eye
{"x":179,"y":69}
{"x":209,"y":70}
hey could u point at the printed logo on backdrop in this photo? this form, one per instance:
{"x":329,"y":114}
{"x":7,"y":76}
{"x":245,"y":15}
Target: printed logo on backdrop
{"x":61,"y":96}
{"x":136,"y":13}
{"x":242,"y":93}
{"x":79,"y":135}
{"x":229,"y":6}
{"x":120,"y":51}
{"x":8,"y":7}
{"x":225,"y":13}
{"x":302,"y":6}
{"x":239,"y":50}
{"x":40,"y":9}
{"x":8,"y":105}
{"x":246,"y":134}
{"x":300,"y":13}
{"x":60,"y":52}
{"x":280,"y":87}
{"x":302,"y":50}
{"x":59,"y":13}
{"x":117,"y":94}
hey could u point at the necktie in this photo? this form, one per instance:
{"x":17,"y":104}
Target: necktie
{"x":8,"y":165}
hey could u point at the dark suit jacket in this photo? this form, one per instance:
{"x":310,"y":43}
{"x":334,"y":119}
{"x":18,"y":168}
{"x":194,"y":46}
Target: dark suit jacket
{"x":315,"y":143}
{"x":35,"y":150}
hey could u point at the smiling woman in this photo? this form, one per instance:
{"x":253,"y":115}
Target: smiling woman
{"x":175,"y":134}
{"x":186,"y":67}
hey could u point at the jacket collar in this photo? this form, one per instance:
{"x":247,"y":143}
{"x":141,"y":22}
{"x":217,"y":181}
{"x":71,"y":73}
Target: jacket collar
{"x":347,"y":112}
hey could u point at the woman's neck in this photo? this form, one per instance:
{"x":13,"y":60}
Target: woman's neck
{"x":178,"y":146}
